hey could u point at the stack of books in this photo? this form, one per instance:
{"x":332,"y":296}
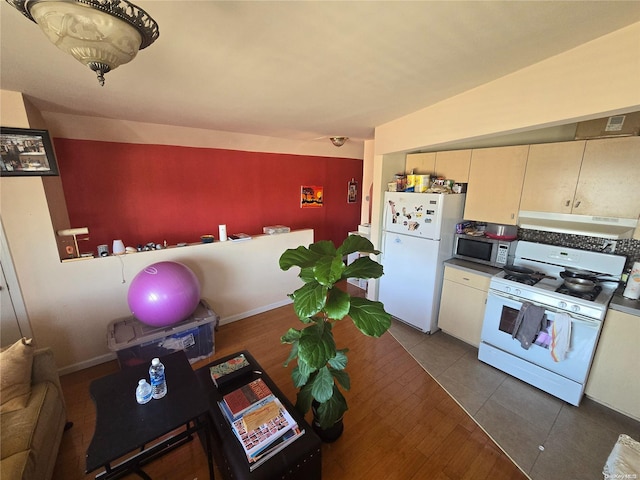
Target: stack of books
{"x":260,"y":422}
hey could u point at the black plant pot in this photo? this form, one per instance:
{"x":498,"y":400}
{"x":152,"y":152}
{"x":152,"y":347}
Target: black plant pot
{"x":327,"y":435}
{"x":331,"y":434}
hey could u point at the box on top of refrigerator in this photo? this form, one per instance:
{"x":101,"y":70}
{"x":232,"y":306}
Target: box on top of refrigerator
{"x":135,"y":342}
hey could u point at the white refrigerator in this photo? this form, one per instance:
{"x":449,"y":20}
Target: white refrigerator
{"x":417,"y":237}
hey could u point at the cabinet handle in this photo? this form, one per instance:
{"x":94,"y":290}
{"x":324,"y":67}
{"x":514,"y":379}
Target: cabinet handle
{"x":465,"y":278}
{"x":577,"y":204}
{"x":568,"y":203}
{"x":513,"y":215}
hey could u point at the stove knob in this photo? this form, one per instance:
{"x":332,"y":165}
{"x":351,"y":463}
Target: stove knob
{"x":575,"y":308}
{"x":507,"y":289}
{"x":562,"y":304}
{"x":518,"y":292}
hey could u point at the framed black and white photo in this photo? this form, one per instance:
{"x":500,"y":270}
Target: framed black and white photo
{"x":26,"y":152}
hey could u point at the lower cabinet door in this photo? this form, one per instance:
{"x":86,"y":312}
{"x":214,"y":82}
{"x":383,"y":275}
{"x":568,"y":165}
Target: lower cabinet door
{"x":462,"y":311}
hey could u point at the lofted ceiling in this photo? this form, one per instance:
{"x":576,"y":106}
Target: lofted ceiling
{"x":302,"y":70}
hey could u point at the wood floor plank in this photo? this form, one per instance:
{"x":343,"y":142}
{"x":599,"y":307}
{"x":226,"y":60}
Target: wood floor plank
{"x":401,"y":424}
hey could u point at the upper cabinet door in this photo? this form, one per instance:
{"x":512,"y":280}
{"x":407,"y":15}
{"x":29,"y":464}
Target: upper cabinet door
{"x":551,"y":177}
{"x":495,"y":184}
{"x":454,"y":165}
{"x":609,"y":183}
{"x":421,"y":163}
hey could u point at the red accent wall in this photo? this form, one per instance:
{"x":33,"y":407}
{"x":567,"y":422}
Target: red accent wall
{"x":152,"y":193}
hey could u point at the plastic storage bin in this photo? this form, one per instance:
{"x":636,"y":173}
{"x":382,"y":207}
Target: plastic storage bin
{"x":135,"y":342}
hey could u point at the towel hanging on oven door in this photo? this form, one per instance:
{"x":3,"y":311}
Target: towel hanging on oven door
{"x":529,"y":322}
{"x":560,"y":336}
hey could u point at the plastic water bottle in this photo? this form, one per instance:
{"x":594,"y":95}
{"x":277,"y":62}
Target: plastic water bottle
{"x":143,"y":392}
{"x":158,"y":382}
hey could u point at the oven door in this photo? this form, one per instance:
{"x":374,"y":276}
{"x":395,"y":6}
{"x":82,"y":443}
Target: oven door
{"x":497,"y":328}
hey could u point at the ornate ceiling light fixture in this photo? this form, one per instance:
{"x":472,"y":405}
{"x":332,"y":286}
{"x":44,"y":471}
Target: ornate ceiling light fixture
{"x":101,"y":34}
{"x":338,"y":141}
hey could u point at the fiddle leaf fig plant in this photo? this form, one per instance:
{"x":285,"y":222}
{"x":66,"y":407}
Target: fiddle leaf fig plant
{"x":319,"y":303}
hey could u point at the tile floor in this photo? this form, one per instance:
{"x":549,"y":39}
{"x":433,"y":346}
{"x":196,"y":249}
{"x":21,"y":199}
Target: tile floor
{"x":548,"y":438}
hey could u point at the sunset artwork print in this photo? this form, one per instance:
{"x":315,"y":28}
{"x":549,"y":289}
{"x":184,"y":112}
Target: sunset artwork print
{"x":311,"y":196}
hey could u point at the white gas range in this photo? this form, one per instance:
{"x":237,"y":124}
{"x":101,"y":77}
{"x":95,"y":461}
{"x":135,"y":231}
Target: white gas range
{"x":537,"y":362}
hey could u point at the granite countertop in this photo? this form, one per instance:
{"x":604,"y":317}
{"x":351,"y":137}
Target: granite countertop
{"x":625,"y":305}
{"x":618,"y":302}
{"x":473,"y":267}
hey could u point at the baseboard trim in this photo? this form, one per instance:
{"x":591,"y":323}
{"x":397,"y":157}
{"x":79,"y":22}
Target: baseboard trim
{"x":112,"y":356}
{"x":92,"y":362}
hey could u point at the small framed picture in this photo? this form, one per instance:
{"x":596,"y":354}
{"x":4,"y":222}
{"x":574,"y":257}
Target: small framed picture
{"x":311,"y":196}
{"x":26,"y":152}
{"x":352,"y":191}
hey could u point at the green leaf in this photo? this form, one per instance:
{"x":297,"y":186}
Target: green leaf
{"x":299,"y":257}
{"x":322,"y":388}
{"x":338,"y":304}
{"x":293,"y":353}
{"x":309,"y":299}
{"x":363,"y":267}
{"x":369,"y":316}
{"x":292,"y":336}
{"x":304,"y":399}
{"x":323,"y":247}
{"x":328,"y":270}
{"x":299,"y":377}
{"x":342,"y":378}
{"x":307,"y":275}
{"x":332,"y":410}
{"x":356,"y":243}
{"x":316,"y":345}
{"x":339,"y":362}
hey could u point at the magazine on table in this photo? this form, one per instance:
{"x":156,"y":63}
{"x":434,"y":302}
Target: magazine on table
{"x":232,"y":368}
{"x":276,"y":447}
{"x":258,"y":439}
{"x":242,"y":399}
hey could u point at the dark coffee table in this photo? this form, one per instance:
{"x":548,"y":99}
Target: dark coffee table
{"x":123,"y":426}
{"x":300,"y":461}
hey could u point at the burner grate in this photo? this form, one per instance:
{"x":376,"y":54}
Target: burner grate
{"x":525,"y":279}
{"x":591,"y":295}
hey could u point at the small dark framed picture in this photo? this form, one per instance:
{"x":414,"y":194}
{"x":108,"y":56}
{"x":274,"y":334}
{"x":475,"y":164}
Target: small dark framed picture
{"x":26,"y":152}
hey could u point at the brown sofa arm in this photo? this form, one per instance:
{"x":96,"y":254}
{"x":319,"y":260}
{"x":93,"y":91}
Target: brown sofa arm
{"x":45,"y":369}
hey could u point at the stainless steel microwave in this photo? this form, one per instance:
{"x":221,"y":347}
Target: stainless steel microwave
{"x":487,"y":251}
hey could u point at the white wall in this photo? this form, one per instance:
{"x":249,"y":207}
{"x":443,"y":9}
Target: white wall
{"x":114,"y":130}
{"x":593,"y":80}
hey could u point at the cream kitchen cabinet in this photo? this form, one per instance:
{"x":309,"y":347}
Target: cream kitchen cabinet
{"x":421,"y":163}
{"x":614,"y":380}
{"x":495,"y":184}
{"x":551,"y":176}
{"x":608,"y":183}
{"x":464,"y":295}
{"x":594,"y":177}
{"x":454,"y":165}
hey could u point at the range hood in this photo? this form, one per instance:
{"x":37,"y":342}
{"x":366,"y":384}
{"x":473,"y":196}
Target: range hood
{"x":603,"y":227}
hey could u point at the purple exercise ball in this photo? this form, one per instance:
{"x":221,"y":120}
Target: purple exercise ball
{"x":164,"y":293}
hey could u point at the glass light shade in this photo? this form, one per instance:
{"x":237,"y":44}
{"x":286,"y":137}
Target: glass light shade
{"x":95,"y":38}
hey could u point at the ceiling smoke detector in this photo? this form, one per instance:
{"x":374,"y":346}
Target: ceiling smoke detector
{"x":338,"y":141}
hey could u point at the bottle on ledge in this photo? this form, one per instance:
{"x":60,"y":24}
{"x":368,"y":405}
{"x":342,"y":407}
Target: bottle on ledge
{"x":158,"y":382}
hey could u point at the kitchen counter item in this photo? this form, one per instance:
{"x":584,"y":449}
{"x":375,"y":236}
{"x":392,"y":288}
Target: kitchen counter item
{"x":632,"y":289}
{"x":580,"y":285}
{"x":501,"y":232}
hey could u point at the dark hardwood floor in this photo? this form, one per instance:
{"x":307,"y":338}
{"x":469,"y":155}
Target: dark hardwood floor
{"x":401,"y":423}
